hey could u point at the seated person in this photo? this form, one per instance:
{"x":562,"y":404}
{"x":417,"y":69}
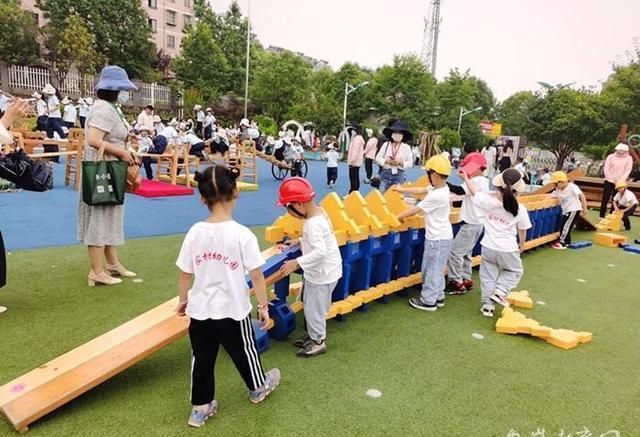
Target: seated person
{"x":219,"y":142}
{"x":280,"y":148}
{"x":195,"y":144}
{"x":294,"y":154}
{"x":145,"y":143}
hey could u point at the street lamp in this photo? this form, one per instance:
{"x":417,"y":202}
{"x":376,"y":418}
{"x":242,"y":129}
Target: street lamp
{"x":246,"y":74}
{"x":348,"y":89}
{"x":464,"y":112}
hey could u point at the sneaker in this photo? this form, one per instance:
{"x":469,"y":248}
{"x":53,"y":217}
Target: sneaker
{"x":487,"y":310}
{"x":201,"y":413}
{"x":468,"y":284}
{"x":455,"y":287}
{"x":312,"y":348}
{"x":417,"y":303}
{"x":366,"y":181}
{"x":302,"y":341}
{"x":637,"y":241}
{"x":558,"y":245}
{"x":272,"y":379}
{"x":500,"y":299}
{"x":440,"y":303}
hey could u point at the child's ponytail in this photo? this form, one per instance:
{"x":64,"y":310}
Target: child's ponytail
{"x":217,"y":184}
{"x":509,"y":201}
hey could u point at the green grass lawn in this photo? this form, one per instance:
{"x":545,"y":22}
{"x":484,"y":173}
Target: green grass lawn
{"x":435,"y":378}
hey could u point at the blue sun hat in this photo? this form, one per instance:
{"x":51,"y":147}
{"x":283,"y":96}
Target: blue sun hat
{"x":114,"y":78}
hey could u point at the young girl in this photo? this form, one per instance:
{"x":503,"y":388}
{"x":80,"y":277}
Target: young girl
{"x":438,"y":232}
{"x":213,"y":260}
{"x":332,"y":165}
{"x":625,"y":202}
{"x":501,"y":266}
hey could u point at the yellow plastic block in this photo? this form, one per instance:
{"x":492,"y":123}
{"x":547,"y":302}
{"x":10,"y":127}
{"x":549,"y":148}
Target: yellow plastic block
{"x":356,"y":208}
{"x":270,"y":324}
{"x":612,"y":222}
{"x":378,"y":206}
{"x":284,"y":226}
{"x":563,"y":338}
{"x":541,"y":331}
{"x":520,"y":299}
{"x":372,"y":293}
{"x":297,"y":306}
{"x":513,"y":322}
{"x":609,"y":239}
{"x":394,"y":286}
{"x":295,"y":288}
{"x":334,"y":207}
{"x":355,"y":301}
{"x":273,"y":234}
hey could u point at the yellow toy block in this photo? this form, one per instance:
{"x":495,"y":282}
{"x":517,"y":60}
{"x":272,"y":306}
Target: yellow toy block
{"x":378,"y":206}
{"x":520,"y":299}
{"x":297,"y":306}
{"x":612,"y":222}
{"x":609,"y":239}
{"x":373,"y":293}
{"x":334,"y":207}
{"x":397,"y":205}
{"x":513,"y":322}
{"x":541,"y":331}
{"x":356,"y":208}
{"x":273,"y":234}
{"x":284,"y":226}
{"x":295,"y":288}
{"x":355,"y":301}
{"x":564,"y":338}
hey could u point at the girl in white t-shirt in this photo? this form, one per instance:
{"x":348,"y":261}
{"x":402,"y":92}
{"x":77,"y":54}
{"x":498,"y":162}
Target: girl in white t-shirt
{"x":504,"y":218}
{"x":332,"y":165}
{"x":438,"y":233}
{"x":625,"y":202}
{"x":214,"y":258}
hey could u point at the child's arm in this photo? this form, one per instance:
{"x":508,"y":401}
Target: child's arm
{"x":184,"y":282}
{"x":522,"y":235}
{"x":616,"y":208}
{"x":470,"y":185}
{"x":408,"y":213}
{"x":260,"y":291}
{"x":416,"y":190}
{"x":583,"y":201}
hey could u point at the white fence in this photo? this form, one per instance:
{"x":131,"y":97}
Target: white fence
{"x":29,"y":78}
{"x":155,"y":93}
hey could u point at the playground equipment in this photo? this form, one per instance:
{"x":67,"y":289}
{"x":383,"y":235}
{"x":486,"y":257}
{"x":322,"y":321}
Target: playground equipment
{"x":609,"y":239}
{"x":381,"y":256}
{"x":520,"y":299}
{"x":612,"y":222}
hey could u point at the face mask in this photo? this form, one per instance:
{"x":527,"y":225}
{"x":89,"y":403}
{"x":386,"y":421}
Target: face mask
{"x":397,"y":137}
{"x":123,"y":97}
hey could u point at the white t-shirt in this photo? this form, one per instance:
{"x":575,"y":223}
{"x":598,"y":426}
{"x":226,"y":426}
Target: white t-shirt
{"x":208,"y":120}
{"x":41,"y":107}
{"x":70,"y":113}
{"x":627,"y":199}
{"x":521,"y":168}
{"x":545,"y":179}
{"x":170,"y":133}
{"x":219,"y":255}
{"x":53,"y":102}
{"x":332,"y":158}
{"x":469,"y":212}
{"x":569,"y":198}
{"x":191,"y":139}
{"x":200,"y":116}
{"x":321,"y":259}
{"x":436,"y":209}
{"x":83,"y":110}
{"x":4,"y":102}
{"x":500,"y":226}
{"x":144,"y":144}
{"x":489,"y":154}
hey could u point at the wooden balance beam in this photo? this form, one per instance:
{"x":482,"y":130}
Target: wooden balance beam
{"x":39,"y":392}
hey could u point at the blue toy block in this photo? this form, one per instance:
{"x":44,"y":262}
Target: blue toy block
{"x":632,"y":248}
{"x":262,"y":337}
{"x":580,"y":244}
{"x":284,"y":319}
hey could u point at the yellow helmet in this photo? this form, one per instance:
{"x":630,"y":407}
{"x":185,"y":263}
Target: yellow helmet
{"x":439,"y":164}
{"x":621,"y":184}
{"x":559,"y":176}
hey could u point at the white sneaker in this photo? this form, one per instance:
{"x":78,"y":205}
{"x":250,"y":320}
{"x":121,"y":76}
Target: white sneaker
{"x":500,"y":299}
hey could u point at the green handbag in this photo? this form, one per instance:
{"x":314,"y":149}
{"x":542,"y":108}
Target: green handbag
{"x":104,"y":182}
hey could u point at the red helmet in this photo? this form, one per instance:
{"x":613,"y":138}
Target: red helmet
{"x":473,"y":162}
{"x":295,"y":189}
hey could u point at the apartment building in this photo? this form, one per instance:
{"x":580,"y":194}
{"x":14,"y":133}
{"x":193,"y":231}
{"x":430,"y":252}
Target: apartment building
{"x":167,"y":19}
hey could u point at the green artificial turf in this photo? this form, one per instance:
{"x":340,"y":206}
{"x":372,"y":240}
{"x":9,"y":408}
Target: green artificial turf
{"x":435,"y":378}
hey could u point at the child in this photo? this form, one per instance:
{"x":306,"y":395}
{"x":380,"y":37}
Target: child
{"x":471,"y":217}
{"x":320,"y":260}
{"x":438,"y":233}
{"x":572,"y":202}
{"x":332,"y":165}
{"x":69,"y":117}
{"x":625,"y":202}
{"x":144,"y":140}
{"x":546,"y":177}
{"x":213,"y":260}
{"x":501,"y":266}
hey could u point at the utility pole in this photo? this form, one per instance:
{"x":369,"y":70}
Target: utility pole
{"x":429,"y":53}
{"x":246,"y":77}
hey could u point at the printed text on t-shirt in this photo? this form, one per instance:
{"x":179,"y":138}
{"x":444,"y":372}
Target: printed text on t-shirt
{"x":218,"y":257}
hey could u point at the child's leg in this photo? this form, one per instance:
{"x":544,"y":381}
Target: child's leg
{"x":459,"y":261}
{"x":444,"y":249}
{"x":328,"y":175}
{"x":510,"y":271}
{"x":433,"y":270}
{"x":568,"y":221}
{"x":238,"y":339}
{"x":317,"y":301}
{"x":625,"y":218}
{"x":204,"y":348}
{"x":489,"y":272}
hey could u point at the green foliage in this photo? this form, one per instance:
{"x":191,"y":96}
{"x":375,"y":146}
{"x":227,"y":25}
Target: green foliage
{"x":191,"y":98}
{"x":595,"y":151}
{"x":621,"y":97}
{"x":121,"y":29}
{"x":201,"y":63}
{"x":18,"y":35}
{"x":266,"y":125}
{"x":450,"y":138}
{"x":513,"y":113}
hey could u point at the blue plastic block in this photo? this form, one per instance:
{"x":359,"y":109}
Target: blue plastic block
{"x":580,"y":244}
{"x":632,"y":248}
{"x":283,"y":318}
{"x":262,"y":337}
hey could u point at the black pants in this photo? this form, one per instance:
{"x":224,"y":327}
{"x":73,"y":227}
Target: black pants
{"x":368,"y":167}
{"x":82,"y":120}
{"x":198,"y":128}
{"x":296,"y":168}
{"x":625,"y":218}
{"x":238,"y":339}
{"x":55,"y":125}
{"x":41,"y":123}
{"x":354,"y":178}
{"x":607,"y":192}
{"x":567,"y":222}
{"x":332,"y":175}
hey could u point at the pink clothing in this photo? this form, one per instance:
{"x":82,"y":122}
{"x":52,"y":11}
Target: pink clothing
{"x":356,"y":151}
{"x":371,"y":149}
{"x":617,"y":168}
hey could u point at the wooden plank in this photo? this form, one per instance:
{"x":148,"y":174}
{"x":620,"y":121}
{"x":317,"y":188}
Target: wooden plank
{"x":548,"y":188}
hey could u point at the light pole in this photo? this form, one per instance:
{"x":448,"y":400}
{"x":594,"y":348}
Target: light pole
{"x":246,"y":77}
{"x":348,"y":89}
{"x":464,"y":112}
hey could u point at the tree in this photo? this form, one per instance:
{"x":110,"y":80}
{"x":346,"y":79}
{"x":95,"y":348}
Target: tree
{"x":18,"y":35}
{"x":121,"y":28}
{"x":513,"y":113}
{"x":73,"y":46}
{"x":563,"y":120}
{"x":280,"y":80}
{"x":621,"y":97}
{"x":201,"y":63}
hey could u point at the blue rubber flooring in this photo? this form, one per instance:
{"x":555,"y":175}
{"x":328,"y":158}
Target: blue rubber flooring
{"x":31,"y":220}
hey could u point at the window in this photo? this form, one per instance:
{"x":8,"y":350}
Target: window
{"x":171,"y":18}
{"x":153,"y":24}
{"x":188,"y":19}
{"x":171,"y":42}
{"x":187,"y":3}
{"x":153,"y":4}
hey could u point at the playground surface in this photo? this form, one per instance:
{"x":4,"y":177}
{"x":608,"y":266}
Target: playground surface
{"x":435,"y":377}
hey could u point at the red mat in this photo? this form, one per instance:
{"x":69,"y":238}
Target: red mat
{"x":161,"y":189}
